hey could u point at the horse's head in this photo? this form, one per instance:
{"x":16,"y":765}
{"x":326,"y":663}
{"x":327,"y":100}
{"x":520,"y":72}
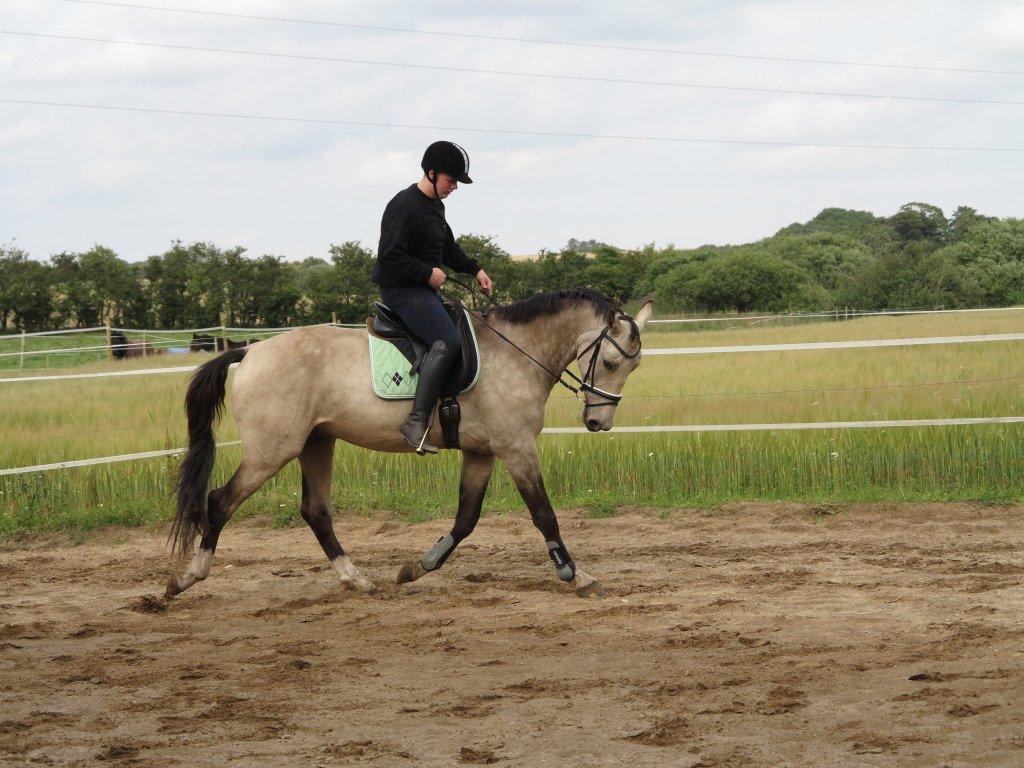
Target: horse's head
{"x":606,"y":355}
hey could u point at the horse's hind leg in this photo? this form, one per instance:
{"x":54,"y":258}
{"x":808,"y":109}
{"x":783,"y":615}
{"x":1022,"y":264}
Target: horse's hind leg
{"x":317,"y":462}
{"x":221,"y":505}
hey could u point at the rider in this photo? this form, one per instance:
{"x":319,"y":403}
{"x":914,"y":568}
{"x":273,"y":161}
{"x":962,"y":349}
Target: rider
{"x":415,"y":240}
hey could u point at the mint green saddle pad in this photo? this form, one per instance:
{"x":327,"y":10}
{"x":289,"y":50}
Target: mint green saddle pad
{"x":389,"y":369}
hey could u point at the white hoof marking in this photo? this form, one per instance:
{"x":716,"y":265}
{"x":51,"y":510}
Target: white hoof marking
{"x":350,"y":575}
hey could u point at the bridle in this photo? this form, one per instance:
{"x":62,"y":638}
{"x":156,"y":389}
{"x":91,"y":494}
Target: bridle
{"x":610,"y":397}
{"x":586,"y":384}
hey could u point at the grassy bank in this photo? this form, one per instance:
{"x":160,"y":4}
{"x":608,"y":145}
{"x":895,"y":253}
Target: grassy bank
{"x":595,"y":472}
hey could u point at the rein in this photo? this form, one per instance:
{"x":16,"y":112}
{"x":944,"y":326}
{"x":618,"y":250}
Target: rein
{"x":610,"y":398}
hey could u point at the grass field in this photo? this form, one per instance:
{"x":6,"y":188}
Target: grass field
{"x":53,"y":421}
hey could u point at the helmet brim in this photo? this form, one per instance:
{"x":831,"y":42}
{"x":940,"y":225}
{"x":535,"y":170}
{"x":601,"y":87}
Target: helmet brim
{"x":464,"y":179}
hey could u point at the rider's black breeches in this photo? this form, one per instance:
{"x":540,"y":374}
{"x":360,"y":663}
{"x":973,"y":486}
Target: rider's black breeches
{"x":420,"y":308}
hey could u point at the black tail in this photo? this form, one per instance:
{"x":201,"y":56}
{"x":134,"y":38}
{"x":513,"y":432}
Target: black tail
{"x":203,"y":404}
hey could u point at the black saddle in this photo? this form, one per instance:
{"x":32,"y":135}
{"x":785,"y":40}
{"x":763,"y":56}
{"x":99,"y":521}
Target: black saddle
{"x":386,"y":324}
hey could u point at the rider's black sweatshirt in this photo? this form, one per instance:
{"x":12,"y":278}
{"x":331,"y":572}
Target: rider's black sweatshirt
{"x":415,"y":238}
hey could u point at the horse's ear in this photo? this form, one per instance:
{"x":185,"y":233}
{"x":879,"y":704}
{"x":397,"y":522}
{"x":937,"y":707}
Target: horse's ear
{"x":646,"y":309}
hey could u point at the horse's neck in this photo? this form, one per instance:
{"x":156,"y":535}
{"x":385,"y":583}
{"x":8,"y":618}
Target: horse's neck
{"x":550,"y":339}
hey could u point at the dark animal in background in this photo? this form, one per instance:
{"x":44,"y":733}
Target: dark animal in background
{"x":118,"y":345}
{"x":122,"y":348}
{"x":204,"y":343}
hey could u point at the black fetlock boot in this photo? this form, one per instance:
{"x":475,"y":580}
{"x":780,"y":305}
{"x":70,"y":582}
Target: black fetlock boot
{"x":432,"y":373}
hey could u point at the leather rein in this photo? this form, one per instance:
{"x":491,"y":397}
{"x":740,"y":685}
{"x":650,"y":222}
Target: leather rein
{"x":610,"y":398}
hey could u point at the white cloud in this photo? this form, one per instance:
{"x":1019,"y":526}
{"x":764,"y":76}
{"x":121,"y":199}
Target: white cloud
{"x":372,"y":170}
{"x":69,"y":178}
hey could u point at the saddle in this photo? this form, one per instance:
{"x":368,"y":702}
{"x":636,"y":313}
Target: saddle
{"x":392,"y":380}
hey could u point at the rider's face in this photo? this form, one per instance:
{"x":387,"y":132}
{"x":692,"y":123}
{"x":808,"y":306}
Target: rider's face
{"x":445,"y":185}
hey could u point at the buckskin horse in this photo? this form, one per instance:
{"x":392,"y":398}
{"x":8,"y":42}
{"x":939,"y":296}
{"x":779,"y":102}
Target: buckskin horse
{"x":296,"y":394}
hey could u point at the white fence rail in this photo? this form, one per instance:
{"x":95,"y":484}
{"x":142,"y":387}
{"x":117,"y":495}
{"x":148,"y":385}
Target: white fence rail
{"x":896,"y":423}
{"x":102,"y":374}
{"x":799,"y":346}
{"x":675,"y":428}
{"x":836,"y":313}
{"x":853,"y":344}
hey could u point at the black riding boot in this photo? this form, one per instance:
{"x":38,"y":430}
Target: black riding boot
{"x":432,"y":374}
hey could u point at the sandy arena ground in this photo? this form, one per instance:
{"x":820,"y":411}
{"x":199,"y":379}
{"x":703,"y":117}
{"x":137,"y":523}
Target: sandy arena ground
{"x":753,"y":635}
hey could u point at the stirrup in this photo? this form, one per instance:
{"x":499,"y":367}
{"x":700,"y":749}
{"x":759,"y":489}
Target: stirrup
{"x":420,"y":450}
{"x":423,"y":447}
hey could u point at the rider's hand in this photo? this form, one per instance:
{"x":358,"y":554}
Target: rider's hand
{"x":437,"y":278}
{"x":485,"y":282}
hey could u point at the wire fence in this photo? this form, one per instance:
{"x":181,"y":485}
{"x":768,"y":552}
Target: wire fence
{"x":796,"y":346}
{"x":690,"y":428}
{"x":157,"y":341}
{"x":115,"y":341}
{"x":668,"y":428}
{"x":834,"y":314}
{"x":839,"y":313}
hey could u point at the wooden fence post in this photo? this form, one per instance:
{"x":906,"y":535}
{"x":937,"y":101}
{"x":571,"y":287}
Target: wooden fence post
{"x":334,"y":317}
{"x":21,"y":358}
{"x":110,"y":349}
{"x":143,"y":343}
{"x":223,"y":333}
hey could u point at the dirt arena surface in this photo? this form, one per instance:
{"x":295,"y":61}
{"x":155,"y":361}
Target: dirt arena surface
{"x":751,"y":635}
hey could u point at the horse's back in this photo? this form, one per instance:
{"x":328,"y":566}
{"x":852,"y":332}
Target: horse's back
{"x":305,"y":370}
{"x":302,"y":353}
{"x":314,"y":377}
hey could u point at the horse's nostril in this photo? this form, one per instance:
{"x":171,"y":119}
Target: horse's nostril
{"x":593,"y":425}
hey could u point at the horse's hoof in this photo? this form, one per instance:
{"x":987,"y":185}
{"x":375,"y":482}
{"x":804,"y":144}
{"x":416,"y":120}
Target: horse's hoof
{"x":172,"y":588}
{"x":410,"y":572}
{"x":587,"y":586}
{"x":359,"y":585}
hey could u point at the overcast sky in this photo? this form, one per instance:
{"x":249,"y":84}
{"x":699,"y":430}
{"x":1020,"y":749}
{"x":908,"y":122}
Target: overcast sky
{"x":70,"y":178}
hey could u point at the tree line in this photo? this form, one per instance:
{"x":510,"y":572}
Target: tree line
{"x":917,"y":258}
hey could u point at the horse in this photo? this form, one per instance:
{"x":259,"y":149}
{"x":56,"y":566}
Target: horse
{"x":122,"y":348}
{"x":202,"y":343}
{"x":232,"y":344}
{"x":296,"y":394}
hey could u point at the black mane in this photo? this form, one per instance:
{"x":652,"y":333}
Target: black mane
{"x":555,"y":301}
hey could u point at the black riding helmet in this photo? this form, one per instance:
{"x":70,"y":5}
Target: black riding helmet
{"x":447,"y":157}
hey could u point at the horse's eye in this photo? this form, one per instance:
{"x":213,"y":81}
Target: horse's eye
{"x":609,"y":366}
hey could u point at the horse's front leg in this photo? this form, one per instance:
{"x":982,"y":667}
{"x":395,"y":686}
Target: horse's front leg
{"x":476,"y":473}
{"x":524,"y":467}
